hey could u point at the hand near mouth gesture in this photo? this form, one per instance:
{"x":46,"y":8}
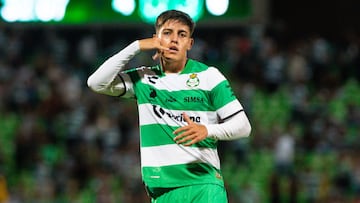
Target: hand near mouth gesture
{"x":152,"y":43}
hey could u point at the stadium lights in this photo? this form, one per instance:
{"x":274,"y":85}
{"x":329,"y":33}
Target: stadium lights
{"x":148,"y":10}
{"x":217,"y":7}
{"x":33,"y":10}
{"x":124,"y":7}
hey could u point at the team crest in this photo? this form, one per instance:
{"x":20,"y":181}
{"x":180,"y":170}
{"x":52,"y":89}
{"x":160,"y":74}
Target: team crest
{"x":193,"y":80}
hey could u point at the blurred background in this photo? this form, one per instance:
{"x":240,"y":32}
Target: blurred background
{"x":294,"y":65}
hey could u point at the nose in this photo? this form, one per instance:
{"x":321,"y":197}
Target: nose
{"x":174,"y":38}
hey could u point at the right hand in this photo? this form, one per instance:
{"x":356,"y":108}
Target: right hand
{"x":152,"y":43}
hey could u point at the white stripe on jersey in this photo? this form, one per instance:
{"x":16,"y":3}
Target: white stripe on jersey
{"x":172,"y":117}
{"x":172,"y":154}
{"x":229,"y":109}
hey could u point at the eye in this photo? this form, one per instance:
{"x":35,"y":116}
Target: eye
{"x":166,"y":32}
{"x":182,"y":35}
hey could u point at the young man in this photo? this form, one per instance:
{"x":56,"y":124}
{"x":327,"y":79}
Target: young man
{"x":184,"y":107}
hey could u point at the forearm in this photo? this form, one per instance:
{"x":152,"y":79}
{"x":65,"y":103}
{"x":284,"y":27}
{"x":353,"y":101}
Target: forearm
{"x":103,"y":80}
{"x":236,"y":127}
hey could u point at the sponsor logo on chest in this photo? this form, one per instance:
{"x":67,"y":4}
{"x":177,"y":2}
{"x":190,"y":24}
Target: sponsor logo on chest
{"x":191,"y":99}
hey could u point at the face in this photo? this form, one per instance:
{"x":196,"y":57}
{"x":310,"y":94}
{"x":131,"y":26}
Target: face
{"x":176,"y":36}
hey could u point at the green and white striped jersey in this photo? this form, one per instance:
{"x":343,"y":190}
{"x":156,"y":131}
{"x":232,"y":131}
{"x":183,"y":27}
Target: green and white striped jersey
{"x":200,"y":91}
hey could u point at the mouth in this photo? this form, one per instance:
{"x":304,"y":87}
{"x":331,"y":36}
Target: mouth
{"x":173,"y":49}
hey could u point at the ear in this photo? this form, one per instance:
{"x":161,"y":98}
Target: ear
{"x":190,"y":44}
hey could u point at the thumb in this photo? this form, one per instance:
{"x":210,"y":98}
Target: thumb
{"x":156,"y":56}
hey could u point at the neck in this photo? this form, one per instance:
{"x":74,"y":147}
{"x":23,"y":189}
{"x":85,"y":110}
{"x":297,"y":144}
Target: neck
{"x":169,"y":66}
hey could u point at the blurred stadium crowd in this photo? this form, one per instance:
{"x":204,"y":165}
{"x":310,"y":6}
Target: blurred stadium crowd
{"x":60,"y":142}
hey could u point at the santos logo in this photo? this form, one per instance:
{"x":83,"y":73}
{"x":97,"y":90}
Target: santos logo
{"x":160,"y":112}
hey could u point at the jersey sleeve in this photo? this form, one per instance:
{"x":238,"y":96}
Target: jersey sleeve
{"x":222,"y":96}
{"x":106,"y":79}
{"x":128,"y":86}
{"x":234,"y":122}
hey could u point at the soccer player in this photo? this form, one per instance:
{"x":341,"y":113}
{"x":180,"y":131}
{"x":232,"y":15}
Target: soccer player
{"x":185,"y":107}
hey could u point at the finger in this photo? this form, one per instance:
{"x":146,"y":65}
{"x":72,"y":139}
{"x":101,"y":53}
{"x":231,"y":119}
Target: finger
{"x":191,"y":143}
{"x":159,"y":45}
{"x":181,"y":129}
{"x":194,"y":140}
{"x":184,"y":134}
{"x":187,"y":118}
{"x":186,"y":139}
{"x":156,"y":56}
{"x":162,"y":48}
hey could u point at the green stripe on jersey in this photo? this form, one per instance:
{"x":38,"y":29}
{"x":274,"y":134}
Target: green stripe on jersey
{"x":223,"y":94}
{"x":193,"y":66}
{"x":157,"y":135}
{"x":169,"y":176}
{"x":176,"y":100}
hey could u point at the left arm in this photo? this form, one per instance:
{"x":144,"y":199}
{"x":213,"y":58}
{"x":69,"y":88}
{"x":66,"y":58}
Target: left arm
{"x":234,"y":127}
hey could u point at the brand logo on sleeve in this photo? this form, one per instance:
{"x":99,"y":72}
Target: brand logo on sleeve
{"x":170,"y":99}
{"x":152,"y":93}
{"x":152,"y":78}
{"x":193,"y":81}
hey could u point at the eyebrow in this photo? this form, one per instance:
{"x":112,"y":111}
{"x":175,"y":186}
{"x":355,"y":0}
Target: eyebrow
{"x":169,"y":29}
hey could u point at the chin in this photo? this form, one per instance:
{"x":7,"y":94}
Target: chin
{"x":169,"y":58}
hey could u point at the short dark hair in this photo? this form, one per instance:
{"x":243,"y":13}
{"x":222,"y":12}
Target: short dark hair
{"x":177,"y":16}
